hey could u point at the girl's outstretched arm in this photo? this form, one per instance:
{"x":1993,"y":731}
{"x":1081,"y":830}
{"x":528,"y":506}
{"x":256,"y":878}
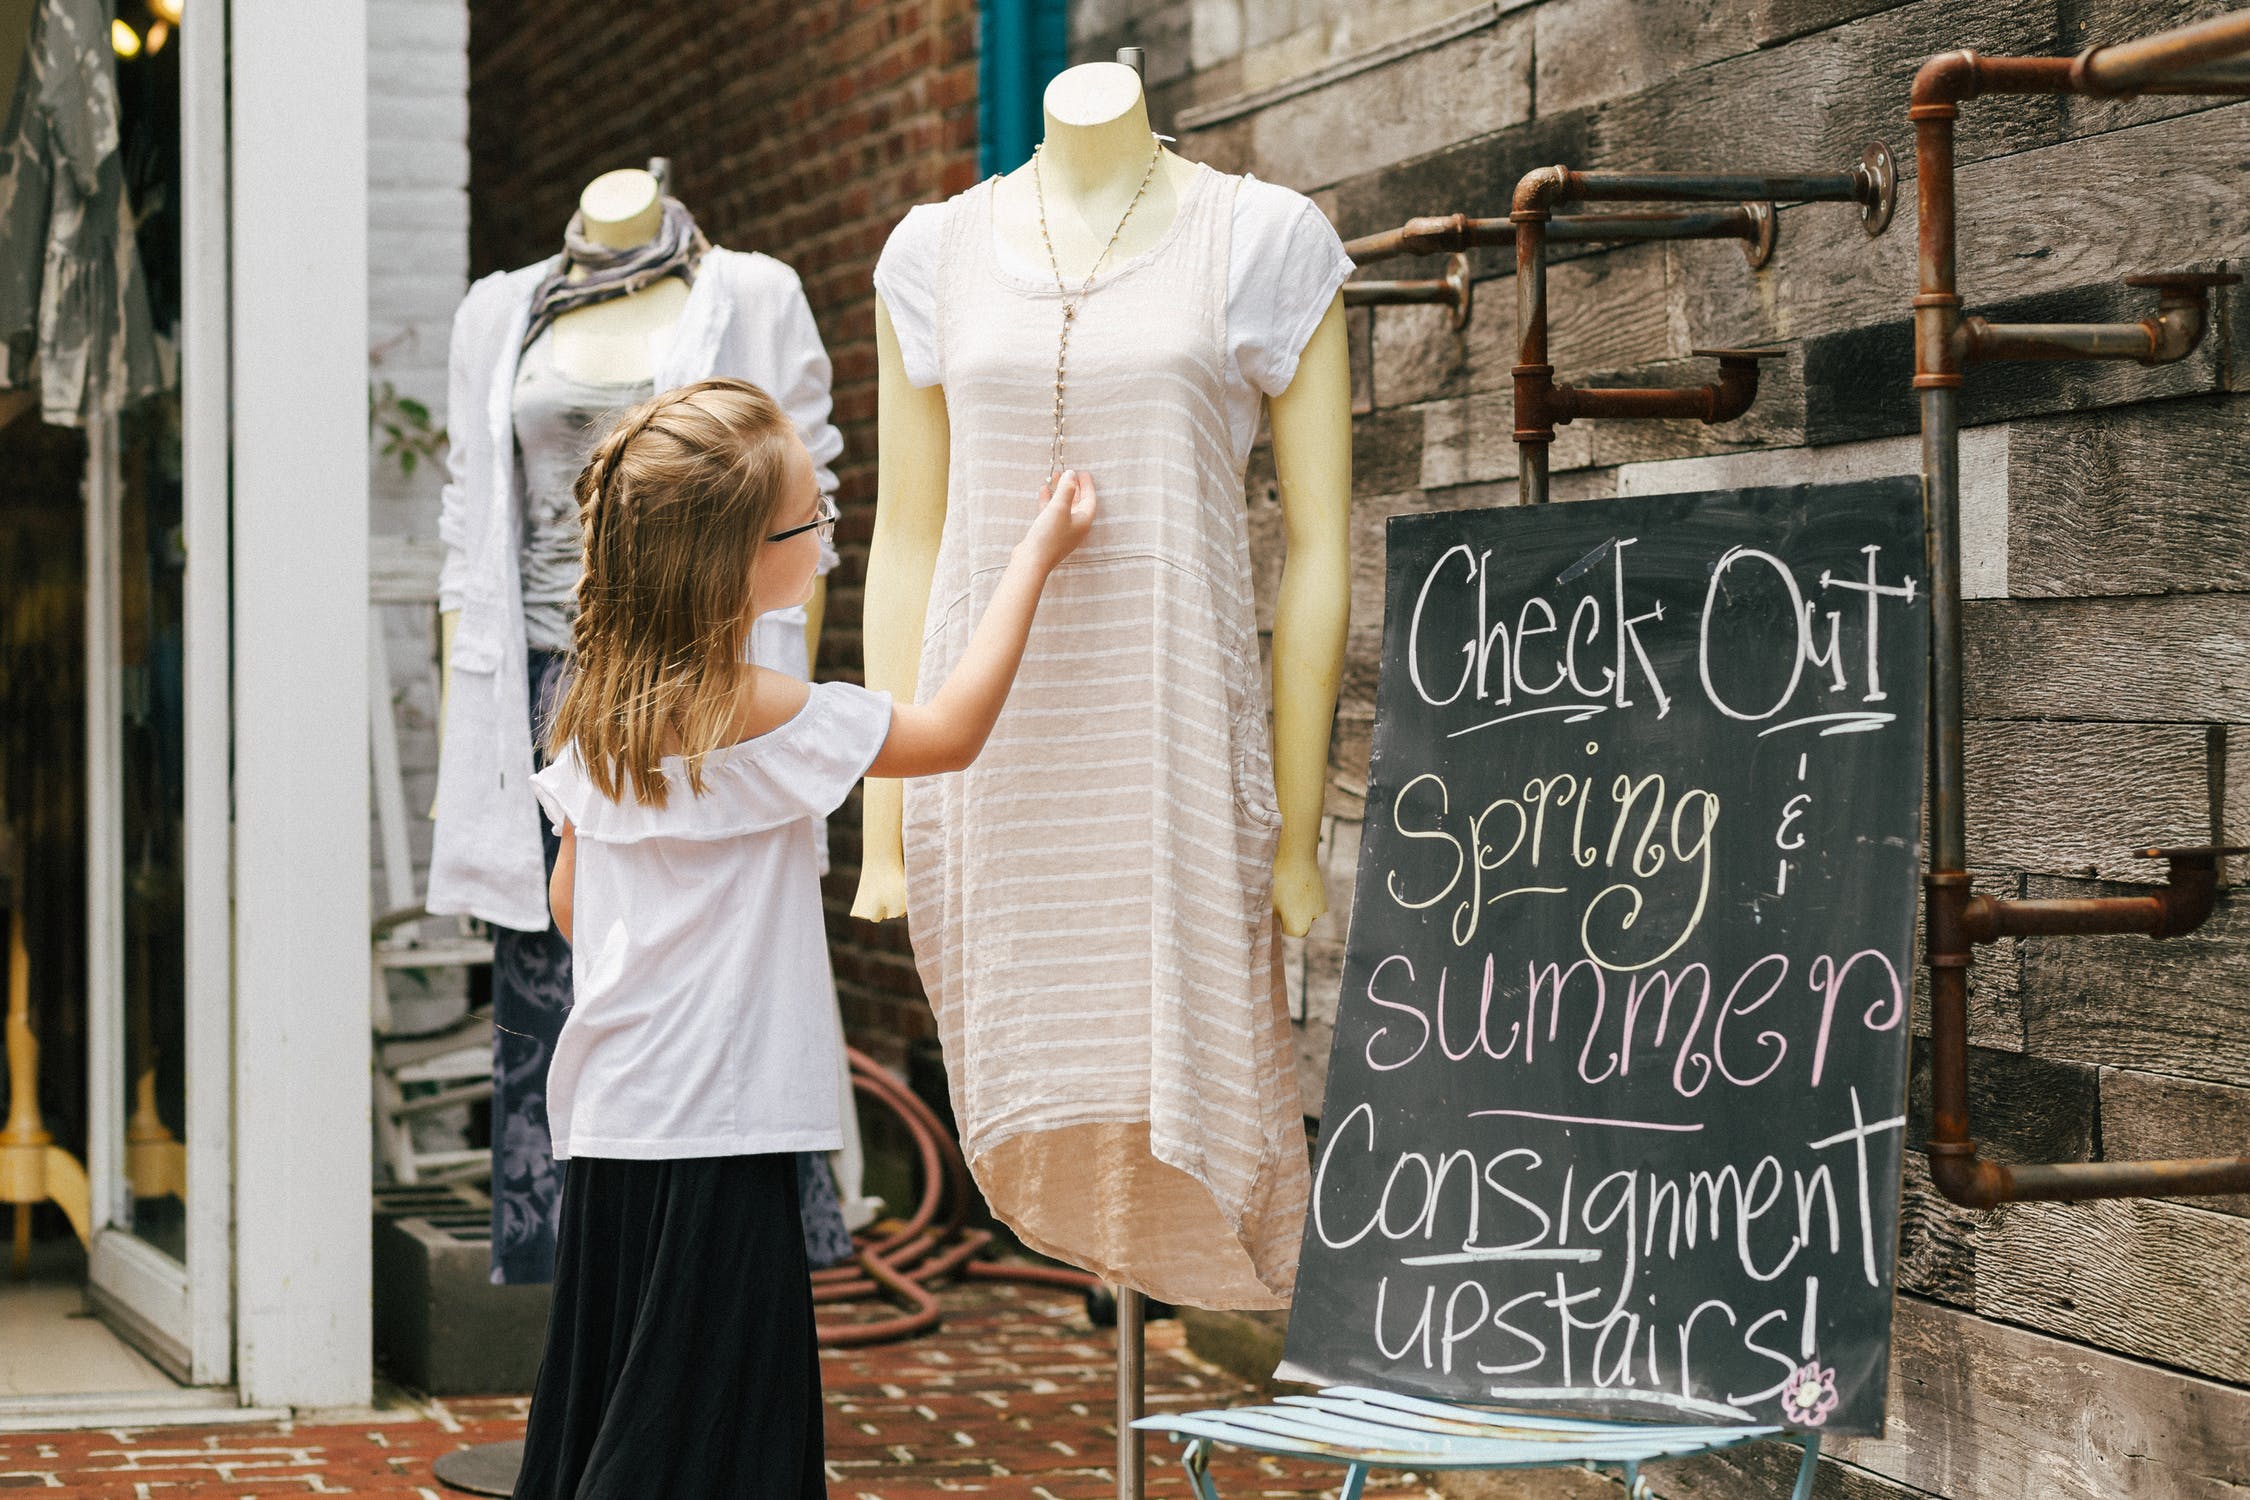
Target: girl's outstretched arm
{"x":946,"y":733}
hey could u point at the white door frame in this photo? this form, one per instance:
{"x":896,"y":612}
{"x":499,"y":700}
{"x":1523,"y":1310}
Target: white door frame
{"x":182,"y":1314}
{"x":298,"y":195}
{"x":207,"y":672}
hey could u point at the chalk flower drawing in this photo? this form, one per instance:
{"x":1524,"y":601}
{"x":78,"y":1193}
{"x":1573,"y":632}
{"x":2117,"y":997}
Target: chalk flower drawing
{"x":1810,"y":1396}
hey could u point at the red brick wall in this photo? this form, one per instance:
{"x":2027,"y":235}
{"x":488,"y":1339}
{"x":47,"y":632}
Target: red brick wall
{"x":803,"y":130}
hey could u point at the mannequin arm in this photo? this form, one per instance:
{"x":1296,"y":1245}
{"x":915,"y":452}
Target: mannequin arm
{"x":915,"y":442}
{"x":1312,"y":450}
{"x":448,"y":626}
{"x":816,"y":615}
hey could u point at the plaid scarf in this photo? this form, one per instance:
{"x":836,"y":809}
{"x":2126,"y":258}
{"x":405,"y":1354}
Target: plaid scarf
{"x":592,"y":273}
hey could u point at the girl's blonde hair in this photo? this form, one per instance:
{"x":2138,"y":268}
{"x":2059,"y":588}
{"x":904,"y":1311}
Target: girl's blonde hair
{"x":672,"y":506}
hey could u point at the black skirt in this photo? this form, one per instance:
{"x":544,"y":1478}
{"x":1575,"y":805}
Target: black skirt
{"x":680,"y":1353}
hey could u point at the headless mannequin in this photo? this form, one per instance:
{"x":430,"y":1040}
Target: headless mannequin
{"x":1096,"y":148}
{"x":614,"y":342}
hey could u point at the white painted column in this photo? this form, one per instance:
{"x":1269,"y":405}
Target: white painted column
{"x":299,"y":200}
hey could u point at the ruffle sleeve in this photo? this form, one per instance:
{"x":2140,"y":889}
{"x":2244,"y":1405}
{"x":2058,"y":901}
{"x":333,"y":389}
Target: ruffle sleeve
{"x":803,"y":769}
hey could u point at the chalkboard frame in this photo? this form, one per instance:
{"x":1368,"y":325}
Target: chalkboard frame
{"x":1870,"y":685}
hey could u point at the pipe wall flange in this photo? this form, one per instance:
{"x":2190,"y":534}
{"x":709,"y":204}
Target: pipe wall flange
{"x":1878,"y":170}
{"x":1457,"y":281}
{"x":1758,"y":249}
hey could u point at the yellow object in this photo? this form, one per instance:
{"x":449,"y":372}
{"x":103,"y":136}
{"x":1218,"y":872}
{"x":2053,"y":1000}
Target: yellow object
{"x":167,"y":11}
{"x":1312,"y":450}
{"x":124,"y":40}
{"x":155,"y":1161}
{"x":448,"y":626}
{"x":816,"y":615}
{"x":1311,"y":424}
{"x":915,"y":440}
{"x":33,"y":1168}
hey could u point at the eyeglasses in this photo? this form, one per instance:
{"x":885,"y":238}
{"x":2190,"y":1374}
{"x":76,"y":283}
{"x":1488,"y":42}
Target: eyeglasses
{"x":825,"y":523}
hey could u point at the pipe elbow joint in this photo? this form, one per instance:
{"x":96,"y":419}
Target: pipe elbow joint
{"x":2187,"y":898}
{"x":2183,"y":311}
{"x":1732,"y":396}
{"x":1965,"y":1177}
{"x":1736,"y":389}
{"x":1537,"y":191}
{"x":2174,"y":332}
{"x":1946,"y":81}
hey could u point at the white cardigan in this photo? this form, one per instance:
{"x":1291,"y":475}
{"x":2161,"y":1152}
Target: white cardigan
{"x":746,"y":317}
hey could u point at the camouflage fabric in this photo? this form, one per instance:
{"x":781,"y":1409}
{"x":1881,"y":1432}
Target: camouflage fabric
{"x":74,"y":311}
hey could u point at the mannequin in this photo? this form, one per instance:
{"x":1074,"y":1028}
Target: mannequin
{"x":612,"y":341}
{"x":1097,"y":144}
{"x":1113,"y":1023}
{"x":537,"y":373}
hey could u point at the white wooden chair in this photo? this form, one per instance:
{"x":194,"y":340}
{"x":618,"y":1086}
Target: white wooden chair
{"x":416,"y":1073}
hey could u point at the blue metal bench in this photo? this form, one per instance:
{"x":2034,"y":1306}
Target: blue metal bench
{"x":1364,"y":1430}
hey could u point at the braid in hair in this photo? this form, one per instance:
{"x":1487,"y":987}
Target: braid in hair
{"x":670,"y":523}
{"x":614,"y":446}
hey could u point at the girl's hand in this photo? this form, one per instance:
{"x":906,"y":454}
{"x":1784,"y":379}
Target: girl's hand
{"x":946,"y":733}
{"x":1066,"y":514}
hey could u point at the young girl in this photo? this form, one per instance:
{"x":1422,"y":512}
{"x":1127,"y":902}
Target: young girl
{"x":680,"y":1359}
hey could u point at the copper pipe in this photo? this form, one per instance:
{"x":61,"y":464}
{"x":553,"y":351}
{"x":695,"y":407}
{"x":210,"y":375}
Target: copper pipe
{"x":1434,"y":234}
{"x":1541,"y":404}
{"x":1945,"y":344}
{"x":2182,"y":314}
{"x":2210,"y":57}
{"x":2182,"y":904}
{"x":1453,"y":289}
{"x":1871,"y":182}
{"x":1723,"y":400}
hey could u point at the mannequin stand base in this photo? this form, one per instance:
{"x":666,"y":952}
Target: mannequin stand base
{"x":486,"y":1469}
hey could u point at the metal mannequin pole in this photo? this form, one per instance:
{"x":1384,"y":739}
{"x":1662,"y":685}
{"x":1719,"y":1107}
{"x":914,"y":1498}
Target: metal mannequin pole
{"x":1132,"y":1346}
{"x":1132,"y":1394}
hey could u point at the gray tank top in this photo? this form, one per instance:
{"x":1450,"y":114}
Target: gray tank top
{"x":559,"y":418}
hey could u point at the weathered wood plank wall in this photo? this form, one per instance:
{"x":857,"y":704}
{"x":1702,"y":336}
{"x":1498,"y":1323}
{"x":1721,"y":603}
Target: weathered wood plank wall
{"x":2052,"y":1350}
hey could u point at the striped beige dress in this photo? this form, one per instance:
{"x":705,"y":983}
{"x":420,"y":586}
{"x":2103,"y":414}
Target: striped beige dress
{"x":1090,"y":903}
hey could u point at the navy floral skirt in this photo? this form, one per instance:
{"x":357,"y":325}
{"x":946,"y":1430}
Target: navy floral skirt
{"x":530,"y":998}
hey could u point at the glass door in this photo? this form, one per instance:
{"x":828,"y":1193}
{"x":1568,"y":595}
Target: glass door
{"x":157,"y":728}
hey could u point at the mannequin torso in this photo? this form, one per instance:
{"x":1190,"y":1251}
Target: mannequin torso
{"x":612,"y":342}
{"x":615,"y":343}
{"x":1096,"y":150}
{"x":1091,"y":163}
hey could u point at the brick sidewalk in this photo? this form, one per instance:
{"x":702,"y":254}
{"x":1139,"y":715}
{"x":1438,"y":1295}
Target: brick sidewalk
{"x":1010,"y":1400}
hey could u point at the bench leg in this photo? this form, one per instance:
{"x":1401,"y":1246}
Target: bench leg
{"x":1355,"y":1480}
{"x":1807,"y":1469}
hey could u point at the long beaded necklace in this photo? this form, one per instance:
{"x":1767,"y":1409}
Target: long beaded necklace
{"x":1072,"y":300}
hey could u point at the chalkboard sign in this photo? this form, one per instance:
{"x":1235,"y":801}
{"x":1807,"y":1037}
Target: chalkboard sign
{"x":1618,"y":1085}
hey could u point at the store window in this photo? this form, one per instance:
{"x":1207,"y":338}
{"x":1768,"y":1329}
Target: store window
{"x":92,"y":703}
